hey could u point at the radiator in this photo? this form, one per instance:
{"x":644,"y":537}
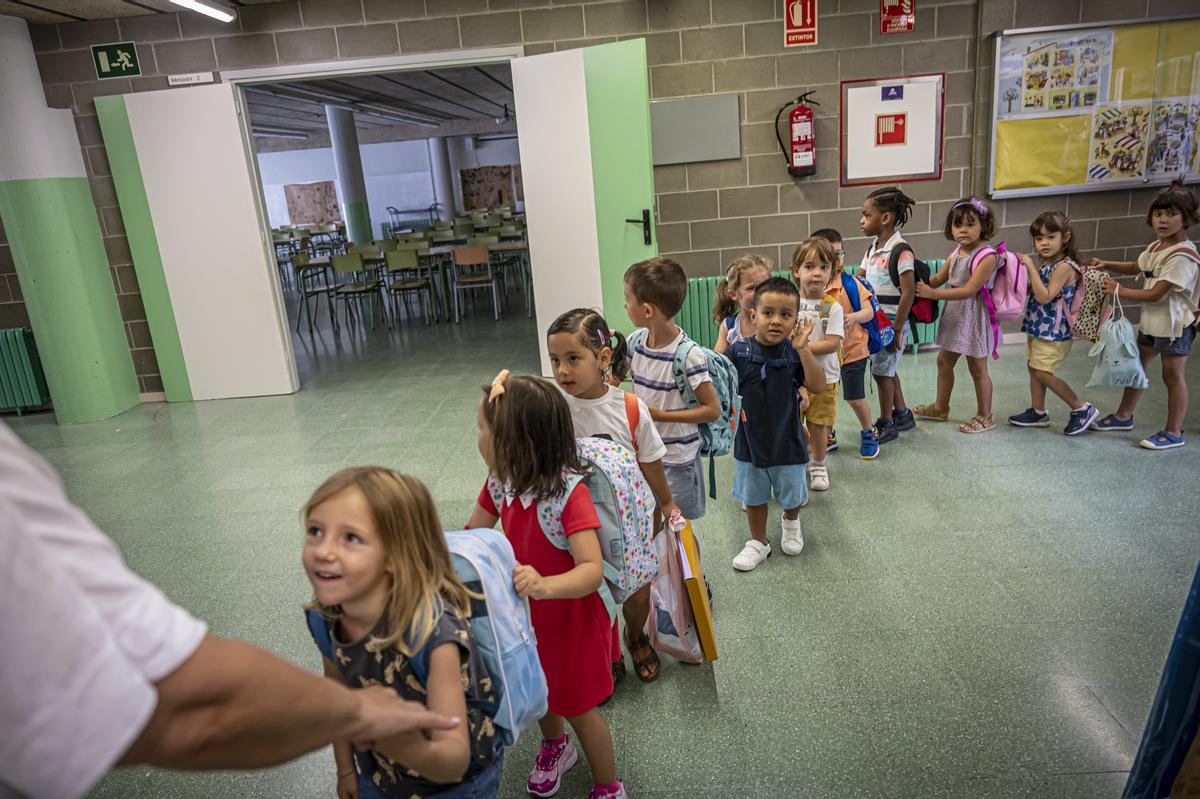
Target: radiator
{"x":22,"y":382}
{"x":696,"y":315}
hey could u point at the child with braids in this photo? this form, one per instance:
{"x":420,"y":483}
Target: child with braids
{"x":585,"y":355}
{"x":883,"y":212}
{"x":735,"y":299}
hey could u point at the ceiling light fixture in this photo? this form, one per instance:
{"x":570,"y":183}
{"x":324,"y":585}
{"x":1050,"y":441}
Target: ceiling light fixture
{"x":263,"y":134}
{"x":207,"y":9}
{"x":506,"y":118}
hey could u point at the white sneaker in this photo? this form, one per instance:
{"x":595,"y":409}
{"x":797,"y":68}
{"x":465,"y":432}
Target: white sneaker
{"x":751,"y":555}
{"x":792,"y":541}
{"x":818,"y":476}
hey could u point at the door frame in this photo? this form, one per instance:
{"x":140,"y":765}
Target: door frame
{"x":240,"y":78}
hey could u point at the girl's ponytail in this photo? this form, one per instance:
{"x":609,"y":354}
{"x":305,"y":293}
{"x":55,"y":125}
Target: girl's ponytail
{"x":620,"y":357}
{"x":724,"y":306}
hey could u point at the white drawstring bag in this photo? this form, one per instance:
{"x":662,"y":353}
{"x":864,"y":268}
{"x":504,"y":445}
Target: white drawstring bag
{"x":1116,"y":352}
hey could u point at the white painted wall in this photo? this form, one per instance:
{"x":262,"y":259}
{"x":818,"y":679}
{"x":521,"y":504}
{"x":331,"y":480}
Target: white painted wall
{"x":396,"y":173}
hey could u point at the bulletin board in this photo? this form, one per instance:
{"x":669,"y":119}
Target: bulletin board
{"x":1091,"y":108}
{"x":891,"y":129}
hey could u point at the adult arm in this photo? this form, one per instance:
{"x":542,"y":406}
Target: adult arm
{"x":233,"y":705}
{"x":444,"y":755}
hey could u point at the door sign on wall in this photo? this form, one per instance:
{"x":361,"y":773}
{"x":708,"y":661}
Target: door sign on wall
{"x":897,"y":16}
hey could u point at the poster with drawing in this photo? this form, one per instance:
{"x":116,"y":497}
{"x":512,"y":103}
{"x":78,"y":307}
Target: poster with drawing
{"x":1172,"y":148}
{"x":1120,"y":133}
{"x":1051,"y":72}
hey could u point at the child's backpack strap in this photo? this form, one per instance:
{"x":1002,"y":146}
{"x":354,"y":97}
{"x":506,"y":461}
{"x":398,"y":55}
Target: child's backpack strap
{"x":550,"y":511}
{"x":976,"y":259}
{"x":901,"y":247}
{"x":632,"y":415}
{"x":850,"y":287}
{"x":496,"y":491}
{"x":318,"y":626}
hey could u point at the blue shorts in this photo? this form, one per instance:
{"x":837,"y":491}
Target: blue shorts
{"x":884,"y":363}
{"x":752,"y":485}
{"x":686,"y":481}
{"x":1170,"y":346}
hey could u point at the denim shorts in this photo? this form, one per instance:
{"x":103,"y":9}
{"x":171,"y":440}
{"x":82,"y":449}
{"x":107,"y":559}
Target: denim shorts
{"x":884,"y":363}
{"x":686,"y":481}
{"x":753,"y":486}
{"x":485,"y":784}
{"x":1170,"y":346}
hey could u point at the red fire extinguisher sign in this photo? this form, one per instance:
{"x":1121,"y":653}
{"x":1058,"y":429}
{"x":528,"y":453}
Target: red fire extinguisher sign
{"x":800,"y":23}
{"x":804,"y":148}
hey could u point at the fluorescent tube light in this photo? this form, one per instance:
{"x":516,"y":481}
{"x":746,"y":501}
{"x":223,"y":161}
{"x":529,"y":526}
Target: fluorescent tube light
{"x":207,"y":9}
{"x":264,"y":134}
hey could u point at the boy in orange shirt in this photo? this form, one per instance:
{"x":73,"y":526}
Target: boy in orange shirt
{"x":855,"y":355}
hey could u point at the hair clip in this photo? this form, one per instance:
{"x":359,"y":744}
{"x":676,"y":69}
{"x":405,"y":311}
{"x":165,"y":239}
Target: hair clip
{"x":602,"y":339}
{"x":498,"y":385}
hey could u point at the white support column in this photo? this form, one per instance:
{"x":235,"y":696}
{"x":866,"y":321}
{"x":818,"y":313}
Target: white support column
{"x":443,"y":182}
{"x":351,"y":185}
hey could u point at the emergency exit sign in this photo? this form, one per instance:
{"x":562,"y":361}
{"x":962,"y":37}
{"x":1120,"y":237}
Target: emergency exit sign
{"x":115,"y":60}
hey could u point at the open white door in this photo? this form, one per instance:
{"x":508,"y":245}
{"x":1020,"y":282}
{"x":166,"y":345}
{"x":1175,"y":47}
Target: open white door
{"x":584,"y":122}
{"x":182,"y":172}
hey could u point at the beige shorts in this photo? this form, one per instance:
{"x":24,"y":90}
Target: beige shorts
{"x":1046,"y":356}
{"x":822,"y":407}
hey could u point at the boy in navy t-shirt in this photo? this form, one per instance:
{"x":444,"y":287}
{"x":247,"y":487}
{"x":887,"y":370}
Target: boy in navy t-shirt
{"x":769,"y":452}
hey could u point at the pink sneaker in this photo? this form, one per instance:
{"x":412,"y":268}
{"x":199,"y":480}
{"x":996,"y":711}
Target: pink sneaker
{"x":553,"y":761}
{"x":614,"y":791}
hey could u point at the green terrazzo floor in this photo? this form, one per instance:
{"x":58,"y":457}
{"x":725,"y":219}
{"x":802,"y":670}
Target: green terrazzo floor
{"x":973,"y":616}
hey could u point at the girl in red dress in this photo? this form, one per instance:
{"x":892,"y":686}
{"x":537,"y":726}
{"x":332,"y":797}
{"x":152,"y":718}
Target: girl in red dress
{"x":528,"y":442}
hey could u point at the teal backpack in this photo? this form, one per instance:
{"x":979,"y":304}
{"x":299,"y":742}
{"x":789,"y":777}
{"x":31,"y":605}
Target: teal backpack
{"x":716,"y":437}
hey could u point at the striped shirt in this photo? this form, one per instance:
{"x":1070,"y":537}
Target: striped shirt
{"x":654,"y":384}
{"x":875,"y":266}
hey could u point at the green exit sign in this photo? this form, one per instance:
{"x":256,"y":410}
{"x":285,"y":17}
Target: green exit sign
{"x":115,"y":60}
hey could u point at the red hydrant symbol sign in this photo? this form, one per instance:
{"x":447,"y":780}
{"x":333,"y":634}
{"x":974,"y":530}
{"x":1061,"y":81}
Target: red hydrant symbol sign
{"x":800,"y":23}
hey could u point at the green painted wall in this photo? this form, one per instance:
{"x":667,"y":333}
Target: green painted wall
{"x":143,"y":244}
{"x":618,"y":100}
{"x":64,"y":274}
{"x":358,"y":222}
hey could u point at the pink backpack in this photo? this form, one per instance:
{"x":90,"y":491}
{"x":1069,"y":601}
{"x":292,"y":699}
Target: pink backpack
{"x":1005,"y":297}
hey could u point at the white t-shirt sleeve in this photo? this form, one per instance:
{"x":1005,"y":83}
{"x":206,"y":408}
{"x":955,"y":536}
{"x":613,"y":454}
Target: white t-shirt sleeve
{"x":696,"y":367}
{"x":92,"y":636}
{"x":1180,"y":271}
{"x":650,"y":444}
{"x":907,"y":262}
{"x":835,"y":325}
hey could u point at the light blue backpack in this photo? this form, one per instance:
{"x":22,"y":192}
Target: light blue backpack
{"x":1116,"y":353}
{"x":484,"y":562}
{"x":716,"y":437}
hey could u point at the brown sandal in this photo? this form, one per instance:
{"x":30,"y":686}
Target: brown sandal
{"x":645,"y":659}
{"x":977,"y":424}
{"x":932,"y":412}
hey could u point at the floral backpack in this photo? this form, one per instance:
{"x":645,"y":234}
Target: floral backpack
{"x":625,"y":505}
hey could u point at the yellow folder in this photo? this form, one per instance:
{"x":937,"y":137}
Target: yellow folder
{"x":697,"y":589}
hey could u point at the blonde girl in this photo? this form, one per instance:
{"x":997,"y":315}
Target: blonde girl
{"x":527,"y":440}
{"x":735,"y":299}
{"x":965,"y":328}
{"x":383,"y":580}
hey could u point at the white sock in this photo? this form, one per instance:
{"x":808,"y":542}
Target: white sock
{"x":791,"y":524}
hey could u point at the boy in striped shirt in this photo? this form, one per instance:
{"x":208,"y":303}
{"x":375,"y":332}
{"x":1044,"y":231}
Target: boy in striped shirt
{"x":655,"y":290}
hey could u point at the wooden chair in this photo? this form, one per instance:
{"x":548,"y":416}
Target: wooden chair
{"x":465,"y":275}
{"x":406,"y":280}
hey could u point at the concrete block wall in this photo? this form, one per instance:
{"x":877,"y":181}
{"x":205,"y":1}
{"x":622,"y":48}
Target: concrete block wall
{"x":707,"y":213}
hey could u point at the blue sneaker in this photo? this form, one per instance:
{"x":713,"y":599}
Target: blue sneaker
{"x":1080,"y":419}
{"x":1031,"y":418}
{"x":868,"y":450}
{"x":1162,"y":440}
{"x":1111,"y":422}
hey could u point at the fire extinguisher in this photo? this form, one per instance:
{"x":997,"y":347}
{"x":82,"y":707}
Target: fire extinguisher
{"x":802,"y":155}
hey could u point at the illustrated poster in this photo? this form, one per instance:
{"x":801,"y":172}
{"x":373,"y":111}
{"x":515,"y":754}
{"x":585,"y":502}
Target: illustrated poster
{"x":1120,"y":134}
{"x":1172,"y":148}
{"x":1049,"y":73}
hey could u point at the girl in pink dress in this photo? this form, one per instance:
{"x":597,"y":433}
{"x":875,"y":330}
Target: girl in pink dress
{"x":965,"y":328}
{"x":527,"y":439}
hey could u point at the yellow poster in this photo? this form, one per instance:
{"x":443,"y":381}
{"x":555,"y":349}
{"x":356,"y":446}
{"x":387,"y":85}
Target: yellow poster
{"x":1038,"y":153}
